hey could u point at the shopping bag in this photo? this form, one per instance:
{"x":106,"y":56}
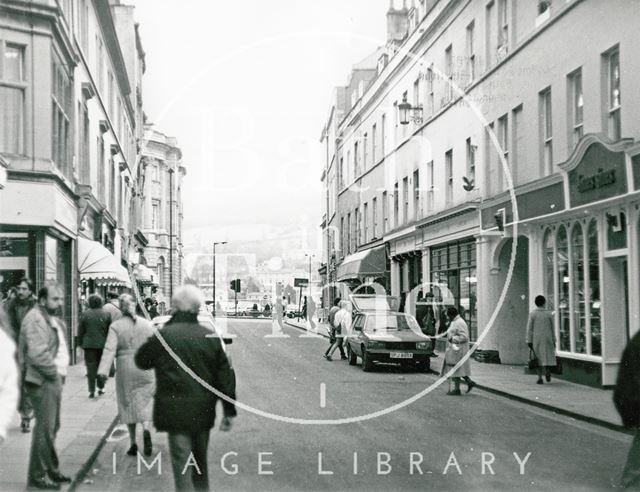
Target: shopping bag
{"x":534,"y":363}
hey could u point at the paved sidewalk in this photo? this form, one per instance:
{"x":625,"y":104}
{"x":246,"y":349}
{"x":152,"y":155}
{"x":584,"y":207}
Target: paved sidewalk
{"x":84,"y":423}
{"x":593,"y":405}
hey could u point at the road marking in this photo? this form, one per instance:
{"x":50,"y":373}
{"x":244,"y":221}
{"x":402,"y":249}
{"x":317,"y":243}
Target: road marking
{"x":323,"y":395}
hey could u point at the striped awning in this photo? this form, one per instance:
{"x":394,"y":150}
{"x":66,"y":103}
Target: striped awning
{"x":95,"y":262}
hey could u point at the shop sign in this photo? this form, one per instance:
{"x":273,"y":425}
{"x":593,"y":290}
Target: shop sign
{"x":599,"y":180}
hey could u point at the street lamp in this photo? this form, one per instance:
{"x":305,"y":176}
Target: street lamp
{"x":214,"y":276}
{"x":408,"y":112}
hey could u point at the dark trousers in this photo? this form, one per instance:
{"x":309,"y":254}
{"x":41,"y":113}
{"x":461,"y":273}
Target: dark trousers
{"x":92,"y":361}
{"x":181,"y":446}
{"x":46,"y":400}
{"x":24,"y":404}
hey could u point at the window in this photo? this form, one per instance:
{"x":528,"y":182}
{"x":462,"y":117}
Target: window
{"x":431,"y":187}
{"x":416,"y":93}
{"x":365,"y":223}
{"x":448,"y":64}
{"x":374,"y":143}
{"x":448,"y":160}
{"x":374,"y":218}
{"x":100,"y":64}
{"x":612,"y":59}
{"x":471,"y":161}
{"x":430,"y":93}
{"x":341,"y":174}
{"x":383,"y":135}
{"x":365,"y":143}
{"x":112,"y":188}
{"x":517,"y":147}
{"x":490,"y":34}
{"x":471,"y":53}
{"x":594,"y":290}
{"x":503,"y":137}
{"x":543,"y":6}
{"x":385,"y":212}
{"x":563,"y":313}
{"x":348,"y":233}
{"x":396,"y":208}
{"x":503,"y":25}
{"x":111,"y":96}
{"x":84,"y":26}
{"x":576,"y":104}
{"x":12,"y":95}
{"x":405,"y":200}
{"x":546,"y":131}
{"x":155,"y":225}
{"x":357,"y":226}
{"x":579,"y":339}
{"x":342,"y":236}
{"x":61,"y":140}
{"x":356,"y":160}
{"x":120,"y":201}
{"x":416,"y":194}
{"x":85,"y":160}
{"x":101,"y":169}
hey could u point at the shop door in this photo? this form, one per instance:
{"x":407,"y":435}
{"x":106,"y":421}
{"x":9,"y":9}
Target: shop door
{"x":619,"y":283}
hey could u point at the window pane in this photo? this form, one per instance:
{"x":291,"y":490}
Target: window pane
{"x":578,"y":99}
{"x":11,"y":120}
{"x":614,"y":80}
{"x":548,"y":268}
{"x":579,"y":310}
{"x":594,"y":289}
{"x":13,"y":63}
{"x":562,"y":253}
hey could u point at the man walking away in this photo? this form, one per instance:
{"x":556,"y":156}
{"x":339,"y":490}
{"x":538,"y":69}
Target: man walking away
{"x":17,"y":309}
{"x":44,"y":359}
{"x":183,"y":407}
{"x":92,"y":335}
{"x":8,"y":376}
{"x":331,"y":318}
{"x":626,"y":397}
{"x":541,"y":338}
{"x":112,"y":306}
{"x":342,"y":323}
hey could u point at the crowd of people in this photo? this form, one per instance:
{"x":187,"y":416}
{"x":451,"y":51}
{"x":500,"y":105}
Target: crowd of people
{"x":151,"y":382}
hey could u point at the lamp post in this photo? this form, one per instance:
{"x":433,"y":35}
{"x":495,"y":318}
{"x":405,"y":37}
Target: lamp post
{"x":214,"y":277}
{"x":171,"y":171}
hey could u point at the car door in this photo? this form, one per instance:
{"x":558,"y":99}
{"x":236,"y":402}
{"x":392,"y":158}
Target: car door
{"x":355,"y":338}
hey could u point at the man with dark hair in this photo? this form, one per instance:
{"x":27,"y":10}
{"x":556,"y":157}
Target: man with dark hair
{"x":541,"y":338}
{"x":44,"y":360}
{"x":92,"y":335}
{"x":112,"y":306}
{"x":17,"y":309}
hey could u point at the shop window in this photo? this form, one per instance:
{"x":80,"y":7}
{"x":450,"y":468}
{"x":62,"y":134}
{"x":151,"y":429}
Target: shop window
{"x":549,"y":263}
{"x":616,"y":231}
{"x":594,"y":289}
{"x":564,"y":280}
{"x":579,"y":300}
{"x":12,"y":97}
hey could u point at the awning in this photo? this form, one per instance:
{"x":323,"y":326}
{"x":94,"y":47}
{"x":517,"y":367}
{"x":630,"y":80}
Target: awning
{"x":367,"y":263}
{"x":144,"y":275}
{"x":95,"y":262}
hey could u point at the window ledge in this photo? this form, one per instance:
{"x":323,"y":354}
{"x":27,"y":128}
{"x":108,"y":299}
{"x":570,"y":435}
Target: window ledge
{"x":543,"y":17}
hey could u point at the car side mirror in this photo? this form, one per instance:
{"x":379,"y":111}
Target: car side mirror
{"x":227,"y":341}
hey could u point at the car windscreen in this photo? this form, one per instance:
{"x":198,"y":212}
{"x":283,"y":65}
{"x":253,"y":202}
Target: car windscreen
{"x":391,"y":322}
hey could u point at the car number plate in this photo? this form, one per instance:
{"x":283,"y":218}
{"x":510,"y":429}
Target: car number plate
{"x":401,"y":355}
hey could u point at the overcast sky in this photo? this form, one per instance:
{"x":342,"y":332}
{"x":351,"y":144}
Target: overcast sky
{"x":245,"y":88}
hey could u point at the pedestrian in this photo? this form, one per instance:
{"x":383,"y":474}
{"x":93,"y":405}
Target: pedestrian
{"x":134,"y":388}
{"x":184,"y":407}
{"x":9,"y":392}
{"x":341,"y":323}
{"x":92,"y":335}
{"x":457,"y":347}
{"x":12,"y":293}
{"x":17,"y":309}
{"x":429,"y":320}
{"x":304,"y":308}
{"x":44,"y":359}
{"x":541,"y":338}
{"x":312,"y":313}
{"x":626,"y":397}
{"x":332,"y":329}
{"x":112,"y":306}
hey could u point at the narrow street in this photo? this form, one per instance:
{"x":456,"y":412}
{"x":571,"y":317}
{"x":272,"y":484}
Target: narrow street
{"x":283,"y":376}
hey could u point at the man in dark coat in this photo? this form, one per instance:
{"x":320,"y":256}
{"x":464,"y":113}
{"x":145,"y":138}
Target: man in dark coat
{"x":17,"y":309}
{"x":626,"y":397}
{"x":92,"y":335}
{"x":183,"y":407}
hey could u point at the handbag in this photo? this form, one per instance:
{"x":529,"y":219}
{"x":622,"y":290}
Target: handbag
{"x":534,"y":363}
{"x":453,"y":354}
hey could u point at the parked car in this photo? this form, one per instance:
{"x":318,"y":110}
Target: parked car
{"x":380,"y":334}
{"x":253,"y":311}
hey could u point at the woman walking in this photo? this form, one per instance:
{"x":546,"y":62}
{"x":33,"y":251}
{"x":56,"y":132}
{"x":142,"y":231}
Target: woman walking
{"x":134,"y":387}
{"x":92,"y":335}
{"x":457,"y":347}
{"x":541,"y":338}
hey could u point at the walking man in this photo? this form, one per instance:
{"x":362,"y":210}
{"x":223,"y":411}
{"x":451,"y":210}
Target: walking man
{"x":112,"y":306}
{"x":17,"y":309}
{"x":342,"y":323}
{"x":331,"y":318}
{"x":92,"y":335}
{"x":541,"y":338}
{"x":44,"y":359}
{"x":183,"y":407}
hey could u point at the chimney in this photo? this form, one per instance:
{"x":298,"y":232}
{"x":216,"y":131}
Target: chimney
{"x":397,"y":22}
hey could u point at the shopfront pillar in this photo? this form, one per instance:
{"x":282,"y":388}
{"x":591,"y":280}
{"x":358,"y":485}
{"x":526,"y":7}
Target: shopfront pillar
{"x":395,"y":277}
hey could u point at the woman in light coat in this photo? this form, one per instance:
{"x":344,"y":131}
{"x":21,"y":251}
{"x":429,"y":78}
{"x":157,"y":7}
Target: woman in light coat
{"x":134,"y":387}
{"x":541,"y":338}
{"x":457,"y":348}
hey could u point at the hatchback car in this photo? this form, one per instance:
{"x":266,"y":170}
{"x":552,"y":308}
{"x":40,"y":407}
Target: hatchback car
{"x":383,"y":335}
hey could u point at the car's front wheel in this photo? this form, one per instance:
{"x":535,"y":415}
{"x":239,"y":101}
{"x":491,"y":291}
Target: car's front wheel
{"x":367,"y":362}
{"x":353,"y":358}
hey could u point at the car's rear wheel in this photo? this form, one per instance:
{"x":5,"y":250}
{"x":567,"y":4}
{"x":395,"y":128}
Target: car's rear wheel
{"x":367,"y":362}
{"x":353,"y":358}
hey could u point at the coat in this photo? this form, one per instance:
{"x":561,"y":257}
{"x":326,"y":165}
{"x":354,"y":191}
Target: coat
{"x":457,"y":348}
{"x":38,"y":347}
{"x":134,"y":388}
{"x":541,"y":335}
{"x":113,"y":310}
{"x":182,"y":404}
{"x":8,"y":382}
{"x":342,"y":322}
{"x":626,"y":394}
{"x":93,"y":328}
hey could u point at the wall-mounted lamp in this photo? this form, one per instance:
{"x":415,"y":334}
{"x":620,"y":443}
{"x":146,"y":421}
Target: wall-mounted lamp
{"x":408,"y":112}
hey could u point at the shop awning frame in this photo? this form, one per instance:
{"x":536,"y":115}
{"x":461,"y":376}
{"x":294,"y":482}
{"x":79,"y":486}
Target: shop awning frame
{"x":367,"y":263}
{"x":95,"y":262}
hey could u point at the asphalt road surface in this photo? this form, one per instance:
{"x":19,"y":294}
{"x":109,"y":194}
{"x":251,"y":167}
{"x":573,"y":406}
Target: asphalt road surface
{"x":438,"y":442}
